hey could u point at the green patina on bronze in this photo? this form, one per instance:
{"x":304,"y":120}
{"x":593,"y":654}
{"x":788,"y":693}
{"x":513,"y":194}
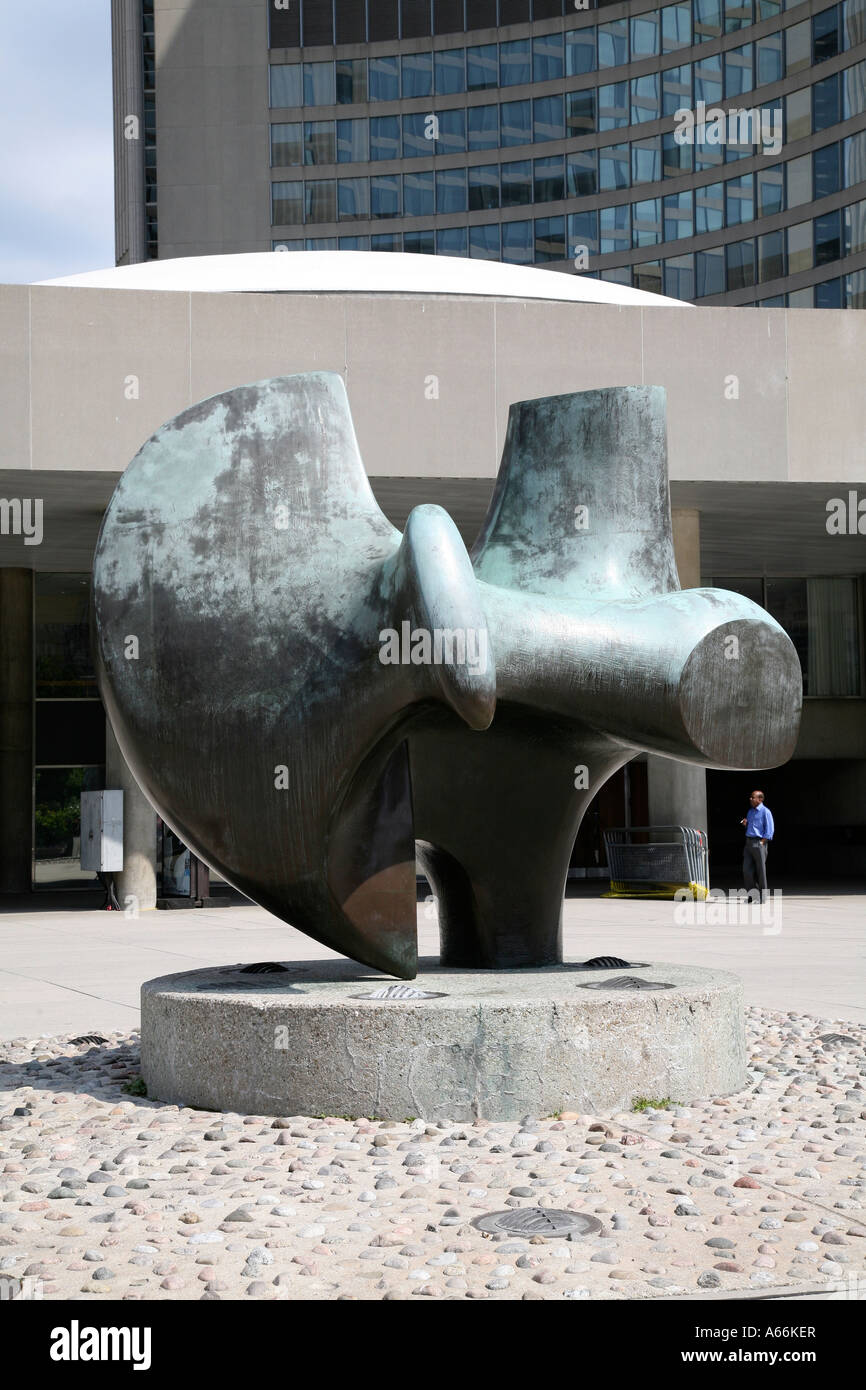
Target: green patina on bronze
{"x":245,"y":551}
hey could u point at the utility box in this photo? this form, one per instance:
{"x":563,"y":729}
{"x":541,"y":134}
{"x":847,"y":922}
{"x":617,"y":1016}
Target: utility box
{"x":102,"y":832}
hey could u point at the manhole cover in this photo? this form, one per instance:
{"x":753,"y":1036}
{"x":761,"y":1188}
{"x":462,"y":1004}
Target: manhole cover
{"x":538,"y":1221}
{"x":837,"y":1040}
{"x":401,"y":992}
{"x":611,"y":963}
{"x":264,"y":967}
{"x":626,"y":982}
{"x":87,"y":1038}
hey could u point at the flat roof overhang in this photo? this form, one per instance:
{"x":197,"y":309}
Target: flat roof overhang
{"x":746,"y":528}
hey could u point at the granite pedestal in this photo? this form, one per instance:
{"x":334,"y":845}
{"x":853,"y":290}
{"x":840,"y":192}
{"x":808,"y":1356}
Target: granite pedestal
{"x":312,"y":1038}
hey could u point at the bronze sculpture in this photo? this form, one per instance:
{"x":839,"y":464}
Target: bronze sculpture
{"x":309,"y":693}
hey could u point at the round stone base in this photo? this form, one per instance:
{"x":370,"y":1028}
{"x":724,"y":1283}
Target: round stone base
{"x":313,"y":1039}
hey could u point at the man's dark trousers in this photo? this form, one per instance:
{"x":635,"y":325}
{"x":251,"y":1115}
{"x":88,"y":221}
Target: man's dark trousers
{"x":755,"y":864}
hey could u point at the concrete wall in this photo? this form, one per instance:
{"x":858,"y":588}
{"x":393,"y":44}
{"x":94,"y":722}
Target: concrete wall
{"x":753,"y":394}
{"x":212,"y":139}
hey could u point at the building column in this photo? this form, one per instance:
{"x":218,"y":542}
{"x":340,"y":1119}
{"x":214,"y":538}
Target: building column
{"x":16,"y":730}
{"x":138,"y":877}
{"x":687,"y":545}
{"x":678,"y":791}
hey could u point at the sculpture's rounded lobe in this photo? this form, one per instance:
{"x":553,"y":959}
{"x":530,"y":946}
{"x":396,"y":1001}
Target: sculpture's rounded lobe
{"x":741,"y":695}
{"x":243,"y":548}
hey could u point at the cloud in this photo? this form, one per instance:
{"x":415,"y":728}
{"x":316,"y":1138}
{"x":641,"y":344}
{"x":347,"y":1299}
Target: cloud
{"x":56,"y":143}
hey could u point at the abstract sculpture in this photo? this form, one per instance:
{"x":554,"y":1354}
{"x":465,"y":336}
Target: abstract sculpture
{"x":304,"y":694}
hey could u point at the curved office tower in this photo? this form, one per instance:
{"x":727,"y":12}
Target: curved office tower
{"x":712,"y":150}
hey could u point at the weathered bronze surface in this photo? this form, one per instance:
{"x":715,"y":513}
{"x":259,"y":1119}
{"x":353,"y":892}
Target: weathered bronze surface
{"x":248,"y":592}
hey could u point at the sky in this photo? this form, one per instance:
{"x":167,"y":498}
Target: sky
{"x":56,"y":154}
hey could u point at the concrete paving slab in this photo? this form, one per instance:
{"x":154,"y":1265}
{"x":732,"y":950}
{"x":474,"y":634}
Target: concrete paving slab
{"x":809,"y":956}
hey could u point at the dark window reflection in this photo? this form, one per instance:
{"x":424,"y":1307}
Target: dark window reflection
{"x":64,"y":668}
{"x":57,"y":825}
{"x":786,"y":602}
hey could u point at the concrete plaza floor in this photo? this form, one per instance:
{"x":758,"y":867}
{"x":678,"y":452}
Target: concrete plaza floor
{"x":66,"y":966}
{"x":754,"y":1195}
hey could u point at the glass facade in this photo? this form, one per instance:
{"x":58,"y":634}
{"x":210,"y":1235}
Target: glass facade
{"x":69,"y":728}
{"x":148,"y":59}
{"x":763,"y":182}
{"x":821,"y":617}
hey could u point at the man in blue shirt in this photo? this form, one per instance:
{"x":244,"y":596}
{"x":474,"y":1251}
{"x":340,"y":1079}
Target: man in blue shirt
{"x":759,"y":833}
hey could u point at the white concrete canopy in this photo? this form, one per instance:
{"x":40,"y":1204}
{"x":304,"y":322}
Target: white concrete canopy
{"x":359,"y":272}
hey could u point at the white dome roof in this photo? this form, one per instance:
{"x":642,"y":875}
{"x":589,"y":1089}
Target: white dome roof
{"x":358,"y":272}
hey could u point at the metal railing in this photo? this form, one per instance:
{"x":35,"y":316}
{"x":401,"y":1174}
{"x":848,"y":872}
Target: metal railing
{"x":657,"y":867}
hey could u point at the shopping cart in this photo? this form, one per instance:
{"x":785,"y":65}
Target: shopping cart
{"x":656,"y":861}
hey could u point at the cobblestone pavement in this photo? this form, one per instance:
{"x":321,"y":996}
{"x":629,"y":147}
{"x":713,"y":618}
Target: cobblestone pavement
{"x":105,"y":1193}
